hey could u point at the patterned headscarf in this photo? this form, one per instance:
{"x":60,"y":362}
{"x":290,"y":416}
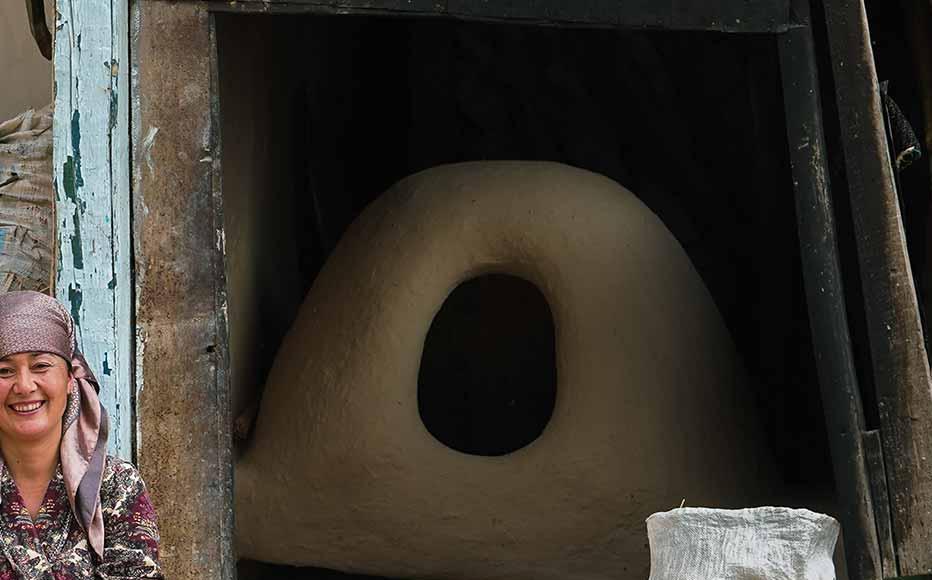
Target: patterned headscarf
{"x":33,"y":322}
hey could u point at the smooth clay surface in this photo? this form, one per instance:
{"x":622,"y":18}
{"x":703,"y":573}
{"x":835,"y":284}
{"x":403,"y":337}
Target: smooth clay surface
{"x":650,"y":407}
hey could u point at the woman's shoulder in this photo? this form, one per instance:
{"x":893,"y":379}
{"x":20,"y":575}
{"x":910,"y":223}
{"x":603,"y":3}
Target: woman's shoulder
{"x":120,"y":478}
{"x":117,"y":467}
{"x":131,"y":531}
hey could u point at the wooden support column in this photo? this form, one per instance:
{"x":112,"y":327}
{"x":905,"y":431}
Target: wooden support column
{"x":91,"y":171}
{"x":900,"y":361}
{"x":825,"y":297}
{"x":182,"y":399}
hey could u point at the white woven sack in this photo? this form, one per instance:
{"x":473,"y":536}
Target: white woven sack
{"x":767,"y":543}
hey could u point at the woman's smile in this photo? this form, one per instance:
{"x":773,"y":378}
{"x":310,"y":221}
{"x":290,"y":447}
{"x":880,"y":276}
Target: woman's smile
{"x":34,"y":390}
{"x":27,"y":408}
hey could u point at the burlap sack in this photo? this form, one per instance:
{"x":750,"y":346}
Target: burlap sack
{"x":767,"y":543}
{"x":27,"y":202}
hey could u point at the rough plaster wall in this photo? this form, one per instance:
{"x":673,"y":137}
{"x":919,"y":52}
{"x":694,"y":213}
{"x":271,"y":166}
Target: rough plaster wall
{"x":27,"y":75}
{"x":261,"y":232}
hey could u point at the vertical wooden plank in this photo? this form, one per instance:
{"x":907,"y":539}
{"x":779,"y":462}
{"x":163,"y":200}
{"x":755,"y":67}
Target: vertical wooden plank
{"x":223,"y":401}
{"x":901,"y":364}
{"x":825,"y":298}
{"x":91,"y":163}
{"x":122,"y":285}
{"x":873,"y":451}
{"x":184,"y":424}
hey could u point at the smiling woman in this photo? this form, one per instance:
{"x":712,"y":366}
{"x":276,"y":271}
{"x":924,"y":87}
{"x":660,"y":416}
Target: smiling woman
{"x":34,"y":387}
{"x":67,"y":509}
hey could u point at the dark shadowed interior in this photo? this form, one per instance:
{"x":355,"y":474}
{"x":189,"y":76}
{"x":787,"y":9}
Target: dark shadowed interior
{"x":323,"y":113}
{"x":488,"y":378}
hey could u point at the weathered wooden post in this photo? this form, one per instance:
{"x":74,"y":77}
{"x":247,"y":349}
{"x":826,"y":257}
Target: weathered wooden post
{"x":161,"y":359}
{"x":900,"y":361}
{"x":91,"y":172}
{"x":182,"y":402}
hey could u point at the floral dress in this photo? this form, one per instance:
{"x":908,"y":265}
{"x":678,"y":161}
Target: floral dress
{"x":55,"y":547}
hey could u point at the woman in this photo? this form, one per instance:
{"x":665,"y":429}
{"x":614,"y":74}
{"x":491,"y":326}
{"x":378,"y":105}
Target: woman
{"x":67,"y":509}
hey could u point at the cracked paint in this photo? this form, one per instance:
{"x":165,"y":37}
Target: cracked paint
{"x":75,"y":299}
{"x":91,"y":155}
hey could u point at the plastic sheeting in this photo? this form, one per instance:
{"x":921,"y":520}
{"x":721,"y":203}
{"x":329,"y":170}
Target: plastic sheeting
{"x":27,"y":202}
{"x":767,"y":543}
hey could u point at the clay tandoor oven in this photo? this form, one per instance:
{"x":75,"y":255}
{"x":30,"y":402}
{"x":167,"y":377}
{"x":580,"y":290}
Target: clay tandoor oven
{"x":323,"y":113}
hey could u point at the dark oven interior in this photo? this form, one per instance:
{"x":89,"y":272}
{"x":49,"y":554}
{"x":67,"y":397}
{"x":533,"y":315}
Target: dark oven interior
{"x":320,"y":114}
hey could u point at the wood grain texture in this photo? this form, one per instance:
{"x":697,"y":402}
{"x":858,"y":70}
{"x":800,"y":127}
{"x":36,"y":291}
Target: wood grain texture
{"x":182,"y":400}
{"x":738,"y":16}
{"x":825,"y":297}
{"x":900,"y":361}
{"x":873,"y":451}
{"x":91,"y":172}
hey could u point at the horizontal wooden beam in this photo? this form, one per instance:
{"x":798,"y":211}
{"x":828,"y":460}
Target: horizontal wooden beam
{"x":730,"y":16}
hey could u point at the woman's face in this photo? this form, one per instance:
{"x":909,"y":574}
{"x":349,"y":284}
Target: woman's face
{"x":34,"y":390}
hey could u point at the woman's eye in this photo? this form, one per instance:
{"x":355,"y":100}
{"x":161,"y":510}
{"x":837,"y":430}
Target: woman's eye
{"x":41,"y":367}
{"x":6,"y":372}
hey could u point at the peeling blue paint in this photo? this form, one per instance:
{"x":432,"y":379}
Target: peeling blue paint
{"x":77,"y":252}
{"x":58,"y":254}
{"x":69,"y":180}
{"x":76,"y":146}
{"x":75,"y":299}
{"x":93,"y":127}
{"x":114,"y":108}
{"x":114,"y":67}
{"x":72,"y":177}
